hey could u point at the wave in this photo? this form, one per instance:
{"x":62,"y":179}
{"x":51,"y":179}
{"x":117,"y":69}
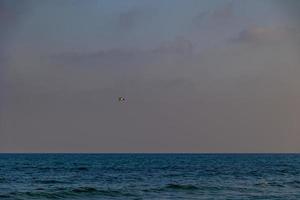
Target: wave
{"x":181,"y":187}
{"x":173,"y":186}
{"x":295,"y":184}
{"x":67,"y":192}
{"x":82,"y":169}
{"x":84,"y":190}
{"x":62,"y":168}
{"x":4,"y":196}
{"x":51,"y":182}
{"x":2,"y":179}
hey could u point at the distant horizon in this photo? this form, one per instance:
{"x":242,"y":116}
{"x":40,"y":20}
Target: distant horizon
{"x":175,"y":153}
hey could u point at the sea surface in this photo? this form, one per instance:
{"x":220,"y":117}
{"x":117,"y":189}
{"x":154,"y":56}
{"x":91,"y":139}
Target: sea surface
{"x":149,"y":176}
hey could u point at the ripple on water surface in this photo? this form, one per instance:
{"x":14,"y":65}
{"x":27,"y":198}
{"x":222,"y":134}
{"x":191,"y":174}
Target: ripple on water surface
{"x":149,"y":176}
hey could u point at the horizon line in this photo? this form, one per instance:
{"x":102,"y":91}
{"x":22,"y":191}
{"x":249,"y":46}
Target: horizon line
{"x":207,"y":153}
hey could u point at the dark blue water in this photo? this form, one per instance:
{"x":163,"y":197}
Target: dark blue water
{"x":149,"y":176}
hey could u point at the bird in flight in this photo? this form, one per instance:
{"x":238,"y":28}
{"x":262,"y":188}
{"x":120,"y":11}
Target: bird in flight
{"x":121,"y":99}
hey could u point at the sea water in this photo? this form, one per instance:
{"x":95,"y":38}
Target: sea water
{"x":149,"y":176}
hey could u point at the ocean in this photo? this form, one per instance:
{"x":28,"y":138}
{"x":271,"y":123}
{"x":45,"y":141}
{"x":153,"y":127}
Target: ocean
{"x":149,"y":176}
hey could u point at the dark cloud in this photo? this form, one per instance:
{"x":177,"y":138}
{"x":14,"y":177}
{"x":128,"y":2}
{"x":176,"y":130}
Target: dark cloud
{"x":178,"y":46}
{"x":223,"y":14}
{"x":256,"y":34}
{"x":133,"y":17}
{"x":198,"y":19}
{"x":218,"y":24}
{"x":7,"y":11}
{"x":291,"y":8}
{"x":101,"y":54}
{"x":11,"y":14}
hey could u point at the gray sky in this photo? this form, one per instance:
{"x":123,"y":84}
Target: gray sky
{"x":198,"y":76}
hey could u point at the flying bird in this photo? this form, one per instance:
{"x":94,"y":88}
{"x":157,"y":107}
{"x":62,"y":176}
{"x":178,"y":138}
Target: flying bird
{"x":121,"y":99}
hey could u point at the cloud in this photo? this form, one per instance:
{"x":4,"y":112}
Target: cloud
{"x":215,"y":27}
{"x":179,"y":46}
{"x":132,"y":18}
{"x":223,"y":14}
{"x":7,"y":18}
{"x":256,"y":34}
{"x":199,"y":18}
{"x":11,"y":14}
{"x":7,"y":11}
{"x":291,"y":8}
{"x":11,"y":11}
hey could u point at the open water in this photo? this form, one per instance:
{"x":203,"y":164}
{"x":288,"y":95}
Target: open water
{"x":149,"y":176}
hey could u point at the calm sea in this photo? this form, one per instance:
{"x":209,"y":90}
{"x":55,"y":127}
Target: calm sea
{"x":149,"y":176}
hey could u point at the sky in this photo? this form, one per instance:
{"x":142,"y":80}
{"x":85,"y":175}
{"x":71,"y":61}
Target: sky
{"x":201,"y":76}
